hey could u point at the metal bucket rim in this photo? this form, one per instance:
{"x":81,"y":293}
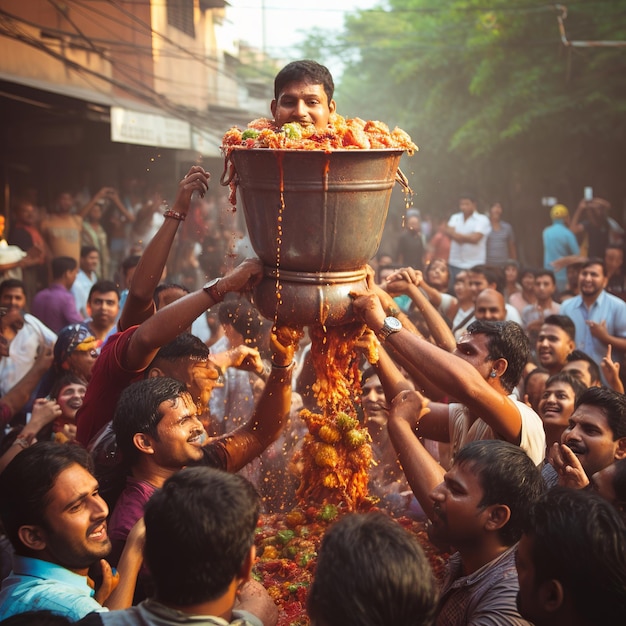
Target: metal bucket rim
{"x":240,"y":149}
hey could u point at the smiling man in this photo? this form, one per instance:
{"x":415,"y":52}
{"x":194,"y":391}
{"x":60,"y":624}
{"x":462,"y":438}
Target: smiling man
{"x":555,"y":342}
{"x":158,"y":433}
{"x":480,"y":375}
{"x":595,"y":436}
{"x":303,"y":93}
{"x":557,"y":404}
{"x":599,"y":317}
{"x":56,"y":521}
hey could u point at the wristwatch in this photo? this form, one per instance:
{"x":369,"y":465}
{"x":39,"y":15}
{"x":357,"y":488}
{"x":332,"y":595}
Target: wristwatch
{"x":391,"y":325}
{"x":213,"y":291}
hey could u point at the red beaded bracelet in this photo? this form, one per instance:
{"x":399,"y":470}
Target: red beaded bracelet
{"x":175,"y":214}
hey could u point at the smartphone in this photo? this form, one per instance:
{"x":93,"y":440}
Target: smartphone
{"x":588,"y":193}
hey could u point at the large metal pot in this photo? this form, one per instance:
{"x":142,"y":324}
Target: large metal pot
{"x":315,"y":219}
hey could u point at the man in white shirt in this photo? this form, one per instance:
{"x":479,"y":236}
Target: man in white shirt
{"x":468,"y":230}
{"x":25,"y":338}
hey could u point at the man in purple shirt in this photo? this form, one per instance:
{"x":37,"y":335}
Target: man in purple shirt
{"x":55,"y":306}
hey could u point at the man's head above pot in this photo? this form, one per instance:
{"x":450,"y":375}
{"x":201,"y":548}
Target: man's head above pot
{"x":303,"y":93}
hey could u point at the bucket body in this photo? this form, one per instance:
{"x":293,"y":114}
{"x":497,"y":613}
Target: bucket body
{"x":315,"y":219}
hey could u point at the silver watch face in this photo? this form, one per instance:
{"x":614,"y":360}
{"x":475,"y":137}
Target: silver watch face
{"x":392,"y":323}
{"x":211,"y":283}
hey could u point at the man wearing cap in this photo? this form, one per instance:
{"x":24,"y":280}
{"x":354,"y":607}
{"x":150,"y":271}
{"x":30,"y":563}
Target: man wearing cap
{"x":559,"y":241}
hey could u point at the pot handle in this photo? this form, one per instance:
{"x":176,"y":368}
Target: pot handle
{"x":403,"y":181}
{"x":229,"y":172}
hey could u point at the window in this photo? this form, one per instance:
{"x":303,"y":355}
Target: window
{"x":180,"y":15}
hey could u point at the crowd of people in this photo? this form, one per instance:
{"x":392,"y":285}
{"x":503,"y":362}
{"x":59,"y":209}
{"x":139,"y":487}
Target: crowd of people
{"x":150,"y":414}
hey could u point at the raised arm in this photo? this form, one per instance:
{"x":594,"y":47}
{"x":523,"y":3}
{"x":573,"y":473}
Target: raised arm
{"x":450,"y":373}
{"x":139,"y":305}
{"x":44,"y":412}
{"x":575,"y":223}
{"x":16,"y":398}
{"x":410,"y":282}
{"x":167,"y":323}
{"x":102,"y":194}
{"x":272,"y":410}
{"x":422,"y":472}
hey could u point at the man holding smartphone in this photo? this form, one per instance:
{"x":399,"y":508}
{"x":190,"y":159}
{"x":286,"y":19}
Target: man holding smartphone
{"x":590,"y":224}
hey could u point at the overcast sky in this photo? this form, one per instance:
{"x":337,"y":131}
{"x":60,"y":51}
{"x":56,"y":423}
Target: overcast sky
{"x":278,"y":25}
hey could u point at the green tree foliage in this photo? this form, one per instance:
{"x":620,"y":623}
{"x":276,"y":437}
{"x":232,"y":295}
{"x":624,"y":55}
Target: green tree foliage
{"x":493,"y":97}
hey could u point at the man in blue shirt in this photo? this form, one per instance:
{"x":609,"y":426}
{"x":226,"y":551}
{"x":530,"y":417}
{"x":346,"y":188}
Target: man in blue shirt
{"x":599,"y":317}
{"x":56,"y":521}
{"x":559,"y":241}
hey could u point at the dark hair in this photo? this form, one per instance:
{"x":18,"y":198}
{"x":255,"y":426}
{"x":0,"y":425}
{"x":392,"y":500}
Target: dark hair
{"x":242,"y":316}
{"x":527,"y":270}
{"x":185,"y":346}
{"x":86,"y":250}
{"x":569,"y":379}
{"x":371,"y":572}
{"x":430,"y":264}
{"x":507,"y":476}
{"x":537,"y":370}
{"x":62,"y":264}
{"x":137,"y":411}
{"x":27,"y":480}
{"x":578,"y":538}
{"x":67,"y":379}
{"x":611,"y":403}
{"x":12,"y":283}
{"x":505,"y":340}
{"x":468,"y":196}
{"x":579,"y":355}
{"x":493,"y":275}
{"x":199,"y":530}
{"x":129,"y":262}
{"x":103,"y":286}
{"x":595,"y":261}
{"x":544,"y":272}
{"x":307,"y":71}
{"x":564,"y":322}
{"x":159,"y":289}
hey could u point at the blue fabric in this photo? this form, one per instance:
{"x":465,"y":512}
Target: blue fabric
{"x":607,"y":308}
{"x":558,"y":241}
{"x":35,"y":585}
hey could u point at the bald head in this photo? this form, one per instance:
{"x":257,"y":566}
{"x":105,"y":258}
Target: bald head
{"x":490,"y":306}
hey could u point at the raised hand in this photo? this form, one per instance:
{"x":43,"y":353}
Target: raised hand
{"x":409,"y":406}
{"x":284,"y":342}
{"x":567,"y":466}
